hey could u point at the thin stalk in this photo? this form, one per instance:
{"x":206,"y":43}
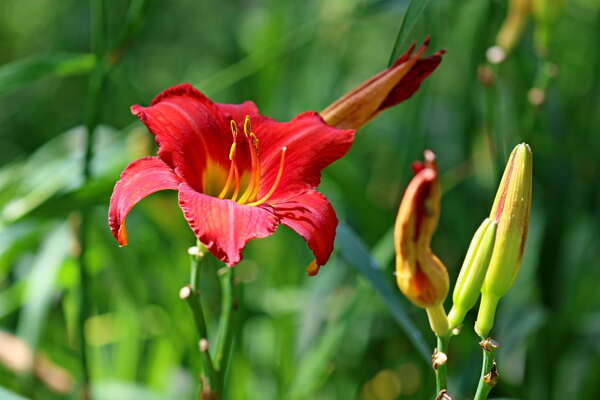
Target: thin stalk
{"x":438,"y":361}
{"x":224,"y":333}
{"x":489,"y":373}
{"x":191,"y":294}
{"x":96,"y":81}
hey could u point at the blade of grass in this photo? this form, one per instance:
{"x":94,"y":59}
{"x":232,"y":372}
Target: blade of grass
{"x":355,"y":252}
{"x":41,"y":284}
{"x":18,"y":74}
{"x":407,"y":24}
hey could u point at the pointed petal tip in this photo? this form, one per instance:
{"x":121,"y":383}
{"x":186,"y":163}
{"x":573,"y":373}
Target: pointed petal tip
{"x":136,"y":109}
{"x":122,"y":236}
{"x":313,"y":268}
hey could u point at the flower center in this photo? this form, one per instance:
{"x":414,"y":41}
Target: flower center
{"x":242,"y":188}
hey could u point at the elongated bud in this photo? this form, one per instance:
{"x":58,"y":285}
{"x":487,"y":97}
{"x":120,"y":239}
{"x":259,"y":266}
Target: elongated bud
{"x":512,"y":28}
{"x":472,"y":273}
{"x":386,"y":89}
{"x":511,"y":212}
{"x":420,"y":275}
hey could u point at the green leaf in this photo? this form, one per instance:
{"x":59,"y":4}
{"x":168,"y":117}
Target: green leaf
{"x":109,"y":390}
{"x":21,"y":73}
{"x":41,"y":283}
{"x":355,"y":252}
{"x":409,"y":20}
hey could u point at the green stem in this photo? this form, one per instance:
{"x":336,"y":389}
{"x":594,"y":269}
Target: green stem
{"x":439,"y":359}
{"x":191,"y":293}
{"x":224,"y":332}
{"x":95,"y":84}
{"x":489,"y":374}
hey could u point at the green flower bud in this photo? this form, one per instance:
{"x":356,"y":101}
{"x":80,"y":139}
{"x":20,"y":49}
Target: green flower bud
{"x":511,"y":212}
{"x":472,"y":272}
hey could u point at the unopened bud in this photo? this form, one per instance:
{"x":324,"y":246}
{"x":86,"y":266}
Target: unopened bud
{"x":472,"y":273}
{"x":512,"y":28}
{"x":386,"y":89}
{"x":420,"y":275}
{"x":511,"y":210}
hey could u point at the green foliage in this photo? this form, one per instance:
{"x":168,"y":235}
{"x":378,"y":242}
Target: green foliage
{"x":345,"y":333}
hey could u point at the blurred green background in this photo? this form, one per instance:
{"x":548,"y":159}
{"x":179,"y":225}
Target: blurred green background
{"x":345,"y":334}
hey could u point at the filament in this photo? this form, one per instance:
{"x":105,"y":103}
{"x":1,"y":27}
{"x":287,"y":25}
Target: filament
{"x":276,"y":183}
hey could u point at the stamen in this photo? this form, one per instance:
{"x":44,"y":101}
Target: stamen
{"x":236,"y":178}
{"x":234,"y":130}
{"x":230,"y":174}
{"x":253,"y":183}
{"x":247,"y":125}
{"x":276,"y":183}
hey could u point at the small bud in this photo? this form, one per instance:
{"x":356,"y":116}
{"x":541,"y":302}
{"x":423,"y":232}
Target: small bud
{"x":511,"y":212}
{"x":491,"y":378}
{"x":472,"y":273}
{"x":420,"y":275}
{"x":203,"y":345}
{"x":386,"y":89}
{"x":438,"y":359}
{"x":443,"y":395}
{"x":185,"y":292}
{"x":489,"y":345}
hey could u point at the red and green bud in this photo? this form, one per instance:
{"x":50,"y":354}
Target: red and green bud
{"x":386,"y":89}
{"x":420,"y":275}
{"x":511,"y":210}
{"x":472,"y":273}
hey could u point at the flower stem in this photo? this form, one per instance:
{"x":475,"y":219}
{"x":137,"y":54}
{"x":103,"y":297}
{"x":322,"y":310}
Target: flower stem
{"x":489,"y":373}
{"x":191,"y":293}
{"x":438,"y":361}
{"x":224,"y":334}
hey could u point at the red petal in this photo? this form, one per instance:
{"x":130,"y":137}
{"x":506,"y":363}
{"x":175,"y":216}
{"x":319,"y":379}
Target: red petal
{"x":189,"y":128}
{"x":312,"y":217}
{"x":140,"y":179}
{"x":411,"y":82}
{"x":224,"y":226}
{"x":311,"y":146}
{"x":238,"y":112}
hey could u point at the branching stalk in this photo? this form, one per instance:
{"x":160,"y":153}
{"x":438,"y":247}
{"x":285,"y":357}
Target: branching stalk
{"x":438,"y":362}
{"x":489,"y":373}
{"x":191,"y":294}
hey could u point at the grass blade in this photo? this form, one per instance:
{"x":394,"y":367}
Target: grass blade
{"x":21,"y":73}
{"x":409,"y":20}
{"x":355,"y":252}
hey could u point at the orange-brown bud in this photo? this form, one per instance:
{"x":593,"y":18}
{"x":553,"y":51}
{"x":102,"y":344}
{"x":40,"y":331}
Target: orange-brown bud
{"x":386,"y":89}
{"x":420,"y":275}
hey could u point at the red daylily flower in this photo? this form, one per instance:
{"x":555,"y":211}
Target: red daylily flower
{"x":239,"y":174}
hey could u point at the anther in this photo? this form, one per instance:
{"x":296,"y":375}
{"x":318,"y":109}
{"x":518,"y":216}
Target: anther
{"x":247,"y":126}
